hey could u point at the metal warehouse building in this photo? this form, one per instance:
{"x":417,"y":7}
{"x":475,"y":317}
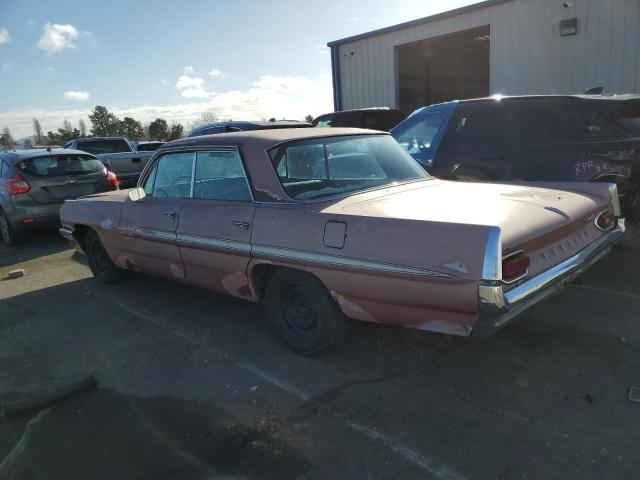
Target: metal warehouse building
{"x":509,"y":47}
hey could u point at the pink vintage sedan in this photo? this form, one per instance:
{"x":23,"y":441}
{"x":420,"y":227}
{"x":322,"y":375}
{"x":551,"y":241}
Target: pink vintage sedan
{"x":326,"y":225}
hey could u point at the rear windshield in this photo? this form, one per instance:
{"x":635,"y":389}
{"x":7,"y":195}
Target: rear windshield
{"x":60,"y":165}
{"x":97,"y":147}
{"x":148,"y":147}
{"x":328,"y":166}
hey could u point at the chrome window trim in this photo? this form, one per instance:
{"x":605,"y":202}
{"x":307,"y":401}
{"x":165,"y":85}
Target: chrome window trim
{"x":492,"y":264}
{"x":195,"y":149}
{"x":340,"y":195}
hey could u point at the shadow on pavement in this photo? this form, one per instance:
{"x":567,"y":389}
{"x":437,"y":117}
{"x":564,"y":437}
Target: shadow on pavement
{"x":37,"y":243}
{"x":105,"y":435}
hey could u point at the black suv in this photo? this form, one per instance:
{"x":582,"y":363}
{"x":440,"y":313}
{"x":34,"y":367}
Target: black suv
{"x":531,"y":138}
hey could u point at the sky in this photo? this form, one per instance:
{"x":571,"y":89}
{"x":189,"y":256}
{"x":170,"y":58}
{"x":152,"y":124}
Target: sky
{"x":240,"y":59}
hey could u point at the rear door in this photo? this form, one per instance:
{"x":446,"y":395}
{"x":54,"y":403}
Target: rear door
{"x":149,"y":225}
{"x":55,"y":178}
{"x":481,"y":143}
{"x":116,"y":153}
{"x":214,"y":232}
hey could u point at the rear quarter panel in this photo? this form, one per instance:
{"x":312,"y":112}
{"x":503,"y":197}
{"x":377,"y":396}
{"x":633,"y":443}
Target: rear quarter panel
{"x":100,"y":213}
{"x":416,"y":273}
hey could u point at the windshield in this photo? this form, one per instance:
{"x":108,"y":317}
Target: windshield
{"x":60,"y":165}
{"x":327,"y":166}
{"x":97,"y":147}
{"x":418,"y":131}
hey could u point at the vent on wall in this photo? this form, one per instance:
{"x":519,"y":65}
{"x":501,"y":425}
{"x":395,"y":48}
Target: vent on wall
{"x":568,"y":27}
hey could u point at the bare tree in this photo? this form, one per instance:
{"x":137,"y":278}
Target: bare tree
{"x":83,"y":128}
{"x":66,"y":125}
{"x":37,"y":131}
{"x":308,"y":118}
{"x":6,"y":139}
{"x":205,"y":118}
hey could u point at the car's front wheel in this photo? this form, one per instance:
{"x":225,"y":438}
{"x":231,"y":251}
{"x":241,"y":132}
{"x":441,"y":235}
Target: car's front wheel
{"x":306,"y":317}
{"x":100,"y":263}
{"x":8,"y":235}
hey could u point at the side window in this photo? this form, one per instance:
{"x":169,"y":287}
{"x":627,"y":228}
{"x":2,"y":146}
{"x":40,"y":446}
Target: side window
{"x":220,"y":176}
{"x":483,"y":124}
{"x":171,"y":176}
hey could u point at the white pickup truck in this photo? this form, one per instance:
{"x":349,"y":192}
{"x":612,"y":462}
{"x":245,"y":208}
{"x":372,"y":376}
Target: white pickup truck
{"x":117,"y":154}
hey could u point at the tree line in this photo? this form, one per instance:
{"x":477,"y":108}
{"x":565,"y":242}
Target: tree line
{"x":103,"y":124}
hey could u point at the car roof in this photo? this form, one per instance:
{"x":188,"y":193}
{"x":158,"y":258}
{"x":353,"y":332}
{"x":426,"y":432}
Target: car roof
{"x":19,"y":155}
{"x":628,"y":96}
{"x":83,"y":139}
{"x":265,"y":138}
{"x":260,"y":123}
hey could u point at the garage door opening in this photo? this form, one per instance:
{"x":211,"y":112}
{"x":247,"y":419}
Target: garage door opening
{"x":439,"y":69}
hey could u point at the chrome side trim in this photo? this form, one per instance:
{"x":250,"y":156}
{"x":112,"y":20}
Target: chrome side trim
{"x":214,"y":243}
{"x":339,"y":261}
{"x":615,"y":199}
{"x":158,"y":235}
{"x":492,"y":266}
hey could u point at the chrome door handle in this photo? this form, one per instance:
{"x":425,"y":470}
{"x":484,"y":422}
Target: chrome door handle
{"x":243,"y":225}
{"x":169,"y":214}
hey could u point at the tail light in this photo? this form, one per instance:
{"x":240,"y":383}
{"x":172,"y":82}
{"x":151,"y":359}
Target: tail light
{"x":604,"y":220}
{"x":16,"y":185}
{"x":514,"y":267}
{"x":112,"y":178}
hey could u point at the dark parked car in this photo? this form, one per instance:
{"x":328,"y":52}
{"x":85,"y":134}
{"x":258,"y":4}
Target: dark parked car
{"x":380,"y":118}
{"x":242,"y":126}
{"x":34,"y":183}
{"x":531,"y":138}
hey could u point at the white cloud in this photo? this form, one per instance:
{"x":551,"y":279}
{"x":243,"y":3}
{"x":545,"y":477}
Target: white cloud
{"x":215,"y":73}
{"x":164,"y":81}
{"x":277,"y":96}
{"x":185,"y":81}
{"x":191,"y":87}
{"x":188,"y":70}
{"x":56,"y":37}
{"x":4,"y":35}
{"x":78,"y":96}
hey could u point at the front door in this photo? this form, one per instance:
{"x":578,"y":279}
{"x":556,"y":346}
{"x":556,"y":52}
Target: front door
{"x":149,"y":225}
{"x":214,"y":232}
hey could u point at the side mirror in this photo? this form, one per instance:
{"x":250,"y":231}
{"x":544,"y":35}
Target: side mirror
{"x":137,"y":194}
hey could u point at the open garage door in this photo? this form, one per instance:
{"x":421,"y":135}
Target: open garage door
{"x":439,"y":69}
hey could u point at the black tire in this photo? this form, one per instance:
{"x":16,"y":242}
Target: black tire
{"x":7,"y":234}
{"x":305,"y":316}
{"x":100,"y":263}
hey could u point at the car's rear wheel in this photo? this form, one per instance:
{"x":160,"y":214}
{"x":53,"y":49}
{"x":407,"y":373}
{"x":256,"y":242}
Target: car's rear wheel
{"x":100,"y":263}
{"x":8,"y":235}
{"x":306,"y":317}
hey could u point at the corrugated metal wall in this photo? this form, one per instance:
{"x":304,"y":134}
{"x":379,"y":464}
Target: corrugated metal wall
{"x":528,"y":56}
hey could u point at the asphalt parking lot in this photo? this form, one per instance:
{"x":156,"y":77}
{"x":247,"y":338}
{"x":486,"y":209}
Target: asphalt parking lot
{"x":194,"y":385}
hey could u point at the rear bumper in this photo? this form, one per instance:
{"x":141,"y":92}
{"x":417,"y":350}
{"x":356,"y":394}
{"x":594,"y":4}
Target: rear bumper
{"x":23,"y":216}
{"x":498,"y":308}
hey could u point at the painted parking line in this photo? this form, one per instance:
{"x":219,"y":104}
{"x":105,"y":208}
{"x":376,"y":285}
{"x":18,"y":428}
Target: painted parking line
{"x":417,"y":459}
